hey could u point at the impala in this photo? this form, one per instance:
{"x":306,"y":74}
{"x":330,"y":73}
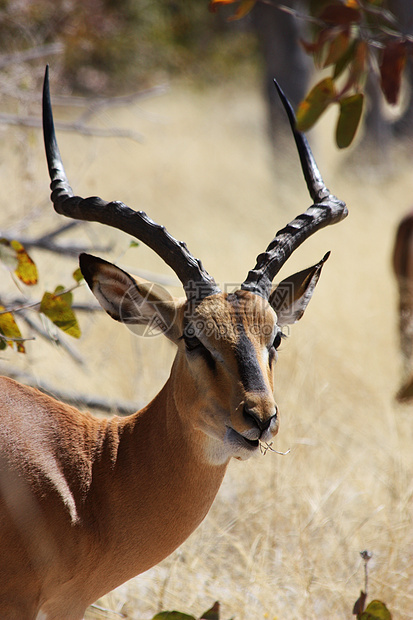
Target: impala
{"x":87,"y":503}
{"x":403,"y":270}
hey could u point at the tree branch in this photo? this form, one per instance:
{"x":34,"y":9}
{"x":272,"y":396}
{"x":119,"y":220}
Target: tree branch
{"x":31,"y":54}
{"x":77,"y":127}
{"x":90,"y":401}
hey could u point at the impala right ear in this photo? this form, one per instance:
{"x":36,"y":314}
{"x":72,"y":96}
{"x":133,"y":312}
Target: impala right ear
{"x":128,"y":300}
{"x":291,"y":297}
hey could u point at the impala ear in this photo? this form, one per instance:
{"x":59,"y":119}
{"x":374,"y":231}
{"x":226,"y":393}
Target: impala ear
{"x":291,"y":297}
{"x":129,"y":300}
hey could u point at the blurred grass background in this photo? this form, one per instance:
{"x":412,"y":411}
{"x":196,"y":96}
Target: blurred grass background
{"x":282,"y":539}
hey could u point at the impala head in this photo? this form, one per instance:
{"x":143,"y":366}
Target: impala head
{"x":227,"y":342}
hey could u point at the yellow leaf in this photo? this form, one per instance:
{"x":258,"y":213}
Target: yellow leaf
{"x":78,"y":275}
{"x":9,"y":329}
{"x":57,"y":307}
{"x":316,"y":102}
{"x":376,"y":610}
{"x":15,"y":256}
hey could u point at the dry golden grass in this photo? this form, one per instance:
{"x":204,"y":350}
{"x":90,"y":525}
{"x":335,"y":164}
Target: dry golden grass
{"x":282,"y":539}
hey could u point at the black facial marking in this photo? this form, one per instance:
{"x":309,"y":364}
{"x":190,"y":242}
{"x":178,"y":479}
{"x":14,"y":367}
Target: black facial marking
{"x":249,"y":370}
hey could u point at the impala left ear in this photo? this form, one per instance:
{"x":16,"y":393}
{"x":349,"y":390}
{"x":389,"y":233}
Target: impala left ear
{"x":132,"y":301}
{"x":290,"y":298}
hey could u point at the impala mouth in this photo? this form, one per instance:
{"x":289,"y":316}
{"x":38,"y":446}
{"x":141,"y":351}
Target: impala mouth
{"x":243,"y":442}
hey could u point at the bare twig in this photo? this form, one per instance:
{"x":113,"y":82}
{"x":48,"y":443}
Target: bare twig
{"x":44,"y":243}
{"x":366,"y":556}
{"x":77,"y":127}
{"x":31,"y":54}
{"x":96,"y":104}
{"x":108,"y":611}
{"x":54,"y":338}
{"x":9,"y":339}
{"x":89,"y":401}
{"x":264,"y":447}
{"x":17,"y":305}
{"x":61,"y":229}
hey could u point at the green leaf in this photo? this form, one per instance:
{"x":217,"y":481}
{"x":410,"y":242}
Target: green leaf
{"x":57,"y":307}
{"x":13,"y":254}
{"x":10,"y":329}
{"x":351,"y":109}
{"x":78,"y":275}
{"x":211,"y":614}
{"x":172,"y":615}
{"x":316,"y":102}
{"x":133,"y":244}
{"x":376,"y":610}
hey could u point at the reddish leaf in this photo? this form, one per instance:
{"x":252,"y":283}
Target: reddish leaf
{"x":316,"y":102}
{"x":360,"y":604}
{"x":243,"y":9}
{"x":351,"y":109}
{"x":338,"y":47}
{"x":214,"y":4}
{"x":391,"y":69}
{"x":317,"y":46}
{"x":340,"y":15}
{"x":358,"y":65}
{"x":211,"y":614}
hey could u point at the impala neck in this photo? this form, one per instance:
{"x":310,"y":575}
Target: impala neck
{"x":157,"y":485}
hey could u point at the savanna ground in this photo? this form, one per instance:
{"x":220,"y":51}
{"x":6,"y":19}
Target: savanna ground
{"x":283,"y":537}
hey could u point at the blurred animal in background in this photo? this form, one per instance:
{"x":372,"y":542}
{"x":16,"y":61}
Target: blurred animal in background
{"x":403,"y":270}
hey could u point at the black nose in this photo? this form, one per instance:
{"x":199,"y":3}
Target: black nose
{"x":251,"y":416}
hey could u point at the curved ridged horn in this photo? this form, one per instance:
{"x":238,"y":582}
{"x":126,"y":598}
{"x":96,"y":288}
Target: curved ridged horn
{"x":326,"y":210}
{"x":196,"y":281}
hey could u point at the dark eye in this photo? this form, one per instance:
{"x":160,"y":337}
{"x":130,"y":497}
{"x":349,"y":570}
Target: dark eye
{"x":277,"y":340}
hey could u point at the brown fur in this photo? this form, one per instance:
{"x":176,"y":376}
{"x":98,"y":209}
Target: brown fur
{"x":403,"y":270}
{"x":87,"y":503}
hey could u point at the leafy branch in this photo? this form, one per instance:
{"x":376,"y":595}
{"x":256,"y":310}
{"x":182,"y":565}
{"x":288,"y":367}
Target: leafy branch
{"x":350,"y":38}
{"x":376,"y":610}
{"x":56,"y":306}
